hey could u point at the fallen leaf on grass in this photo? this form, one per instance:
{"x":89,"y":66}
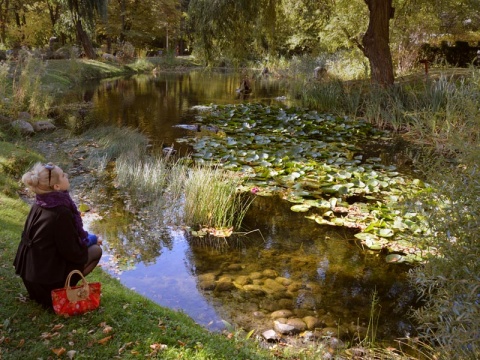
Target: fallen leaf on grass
{"x":107,"y":329}
{"x":71,"y":354}
{"x":104,"y":340}
{"x":181,"y":343}
{"x":158,"y":347}
{"x":59,"y":351}
{"x":21,"y":343}
{"x":122,"y":349}
{"x":46,"y":336}
{"x":21,"y":298}
{"x":57,"y":327}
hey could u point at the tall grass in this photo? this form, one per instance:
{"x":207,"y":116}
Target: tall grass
{"x":21,"y":87}
{"x":450,"y":283}
{"x":212,"y":199}
{"x":115,"y":142}
{"x":436,"y":112}
{"x":191,"y":195}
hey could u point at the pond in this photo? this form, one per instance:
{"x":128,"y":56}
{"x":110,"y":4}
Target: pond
{"x":284,"y":266}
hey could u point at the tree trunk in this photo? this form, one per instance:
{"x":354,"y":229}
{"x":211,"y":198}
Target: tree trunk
{"x":376,"y":41}
{"x":3,"y":21}
{"x":83,"y":38}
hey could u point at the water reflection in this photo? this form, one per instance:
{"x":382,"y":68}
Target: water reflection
{"x":154,"y":104}
{"x":286,"y":262}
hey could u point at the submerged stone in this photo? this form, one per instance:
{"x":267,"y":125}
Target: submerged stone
{"x":207,"y":277}
{"x":269,"y":273}
{"x":298,"y":324}
{"x":281,"y":314}
{"x":271,"y":286}
{"x":224,"y":286}
{"x":255,"y":289}
{"x":255,"y":275}
{"x":312,"y":322}
{"x":206,"y":285}
{"x":242,"y":280}
{"x":284,"y":281}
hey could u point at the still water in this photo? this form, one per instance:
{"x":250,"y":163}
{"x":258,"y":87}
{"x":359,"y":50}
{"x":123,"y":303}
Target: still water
{"x":283,"y":261}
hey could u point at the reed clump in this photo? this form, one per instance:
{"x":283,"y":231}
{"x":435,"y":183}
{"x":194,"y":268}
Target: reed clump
{"x":435,"y":111}
{"x":197,"y":196}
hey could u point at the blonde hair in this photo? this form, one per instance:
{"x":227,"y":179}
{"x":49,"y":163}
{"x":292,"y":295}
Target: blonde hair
{"x":37,"y":179}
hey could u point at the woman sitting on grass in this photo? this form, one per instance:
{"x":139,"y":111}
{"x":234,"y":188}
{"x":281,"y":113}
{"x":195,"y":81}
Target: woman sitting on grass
{"x":53,"y":241}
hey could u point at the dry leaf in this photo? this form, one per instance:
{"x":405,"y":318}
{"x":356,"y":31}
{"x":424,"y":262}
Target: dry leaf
{"x":104,"y":340}
{"x":157,"y":347}
{"x":107,"y":329}
{"x":71,"y":354}
{"x":181,"y":343}
{"x":57,"y":327}
{"x":103,"y":324}
{"x":59,"y":352}
{"x":122,"y":349}
{"x":21,"y":343}
{"x":46,"y":336}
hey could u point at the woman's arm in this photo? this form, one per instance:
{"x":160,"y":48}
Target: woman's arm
{"x":67,"y":239}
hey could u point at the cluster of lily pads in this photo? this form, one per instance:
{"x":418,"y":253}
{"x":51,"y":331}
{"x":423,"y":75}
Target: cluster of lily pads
{"x":316,"y":162}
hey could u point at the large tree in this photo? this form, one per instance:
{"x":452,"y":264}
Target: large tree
{"x":376,"y":41}
{"x":82,"y":14}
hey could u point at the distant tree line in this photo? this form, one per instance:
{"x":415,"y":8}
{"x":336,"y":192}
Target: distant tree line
{"x":388,"y":33}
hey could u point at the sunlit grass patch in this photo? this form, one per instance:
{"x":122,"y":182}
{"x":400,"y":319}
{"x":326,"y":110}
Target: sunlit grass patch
{"x":212,"y":199}
{"x":195,"y":196}
{"x":114,"y":142}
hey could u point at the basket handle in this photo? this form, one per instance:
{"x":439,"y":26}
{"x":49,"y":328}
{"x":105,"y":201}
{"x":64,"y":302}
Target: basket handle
{"x":79,"y":293}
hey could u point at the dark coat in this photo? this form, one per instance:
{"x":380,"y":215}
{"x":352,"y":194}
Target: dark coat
{"x":50,"y":246}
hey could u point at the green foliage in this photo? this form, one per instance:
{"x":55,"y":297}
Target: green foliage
{"x":14,"y":162}
{"x":25,"y":93}
{"x":438,"y":111}
{"x":449,"y":283}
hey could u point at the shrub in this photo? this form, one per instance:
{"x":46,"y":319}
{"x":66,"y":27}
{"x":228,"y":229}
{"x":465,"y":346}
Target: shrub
{"x":449,"y":283}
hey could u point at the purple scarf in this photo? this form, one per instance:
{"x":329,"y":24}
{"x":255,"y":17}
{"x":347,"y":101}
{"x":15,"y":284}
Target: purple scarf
{"x":62,"y":198}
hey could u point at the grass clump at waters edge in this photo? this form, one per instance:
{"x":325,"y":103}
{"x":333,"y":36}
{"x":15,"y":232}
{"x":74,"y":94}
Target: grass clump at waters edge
{"x":126,"y":325}
{"x":193,"y":195}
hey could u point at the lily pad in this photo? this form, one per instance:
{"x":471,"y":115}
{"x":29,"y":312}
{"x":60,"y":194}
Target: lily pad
{"x":385,"y":233}
{"x":300,"y":208}
{"x":394,"y":258}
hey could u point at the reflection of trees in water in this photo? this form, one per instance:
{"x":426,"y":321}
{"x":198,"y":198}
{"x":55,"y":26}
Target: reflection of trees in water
{"x":333,"y":274}
{"x":132,"y":237}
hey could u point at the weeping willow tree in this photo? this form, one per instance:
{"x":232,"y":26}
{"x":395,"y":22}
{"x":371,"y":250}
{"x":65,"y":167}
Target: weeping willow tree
{"x":251,"y":29}
{"x":224,"y":28}
{"x":82,"y":16}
